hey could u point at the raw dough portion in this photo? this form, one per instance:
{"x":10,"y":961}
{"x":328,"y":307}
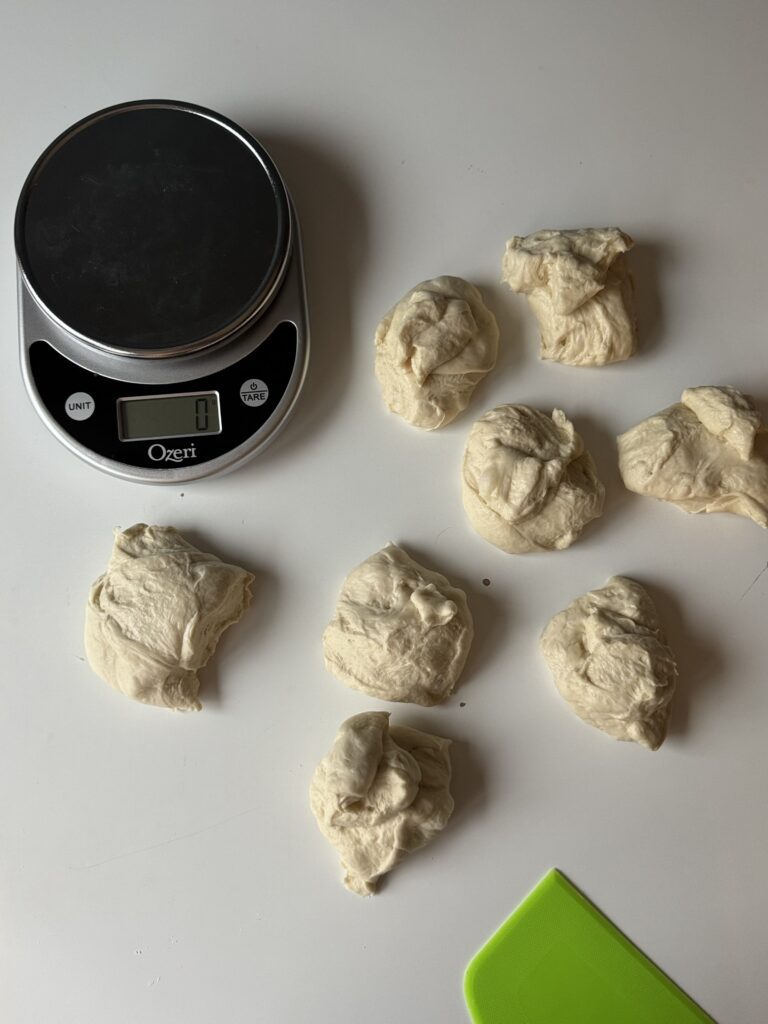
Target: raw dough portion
{"x":379,"y":794}
{"x":528,"y":484}
{"x":707,"y":453}
{"x":609,"y":660}
{"x":580,"y":290}
{"x":155,"y":617}
{"x":400,"y":631}
{"x":433,"y":348}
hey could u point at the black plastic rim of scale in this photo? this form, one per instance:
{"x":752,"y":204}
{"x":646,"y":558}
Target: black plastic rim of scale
{"x":256,"y":282}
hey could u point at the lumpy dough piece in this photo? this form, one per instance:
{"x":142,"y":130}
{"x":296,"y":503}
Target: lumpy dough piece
{"x":580,"y":291}
{"x":400,"y":632}
{"x":380,"y":793}
{"x":528,"y":484}
{"x":155,"y":617}
{"x":433,"y":348}
{"x":707,"y":453}
{"x":610,"y":662}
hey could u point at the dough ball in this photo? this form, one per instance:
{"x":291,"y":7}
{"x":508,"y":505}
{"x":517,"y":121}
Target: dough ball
{"x":155,"y":617}
{"x":528,"y":484}
{"x":379,"y":794}
{"x":433,"y":348}
{"x":400,"y":631}
{"x":609,"y":660}
{"x":707,"y":453}
{"x":580,"y":291}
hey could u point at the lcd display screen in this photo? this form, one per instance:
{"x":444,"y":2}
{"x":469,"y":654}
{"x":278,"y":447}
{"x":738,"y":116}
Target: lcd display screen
{"x":143,"y":419}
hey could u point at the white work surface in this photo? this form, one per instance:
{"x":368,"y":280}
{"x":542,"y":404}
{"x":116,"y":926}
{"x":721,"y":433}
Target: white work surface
{"x":160,"y":867}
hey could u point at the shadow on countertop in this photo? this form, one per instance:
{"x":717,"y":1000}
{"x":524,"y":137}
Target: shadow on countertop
{"x":332,"y":216}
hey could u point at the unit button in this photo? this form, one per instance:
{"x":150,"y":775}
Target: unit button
{"x":79,"y":406}
{"x":254,"y":392}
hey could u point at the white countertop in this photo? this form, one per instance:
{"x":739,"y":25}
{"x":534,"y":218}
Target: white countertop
{"x":158,"y":867}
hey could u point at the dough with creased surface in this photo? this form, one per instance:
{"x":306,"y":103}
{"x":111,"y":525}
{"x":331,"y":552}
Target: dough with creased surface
{"x":580,"y":290}
{"x":433,"y":348}
{"x":528,"y":483}
{"x":707,"y":453}
{"x":381,"y":793}
{"x":400,"y":631}
{"x":155,"y":617}
{"x":610,"y":662}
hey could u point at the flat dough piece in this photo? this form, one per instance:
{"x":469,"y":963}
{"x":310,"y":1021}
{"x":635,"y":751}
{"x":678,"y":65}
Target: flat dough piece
{"x":528,"y":483}
{"x":580,"y":290}
{"x":707,"y":453}
{"x":155,"y":617}
{"x":433,"y":348}
{"x":381,"y":793}
{"x":400,"y":631}
{"x":609,"y":660}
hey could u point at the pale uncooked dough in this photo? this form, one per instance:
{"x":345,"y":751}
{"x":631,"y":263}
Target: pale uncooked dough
{"x":609,"y":659}
{"x":580,"y":290}
{"x":400,"y":632}
{"x":707,"y":453}
{"x":528,"y":484}
{"x":379,"y":794}
{"x":433,"y":348}
{"x":155,"y":617}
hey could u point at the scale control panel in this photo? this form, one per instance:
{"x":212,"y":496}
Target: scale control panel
{"x":157,"y":427}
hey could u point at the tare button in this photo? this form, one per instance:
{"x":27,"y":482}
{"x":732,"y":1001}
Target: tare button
{"x":254,"y":392}
{"x":79,"y":406}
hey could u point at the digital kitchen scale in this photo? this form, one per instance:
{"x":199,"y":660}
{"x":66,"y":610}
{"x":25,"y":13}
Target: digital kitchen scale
{"x":162,"y":312}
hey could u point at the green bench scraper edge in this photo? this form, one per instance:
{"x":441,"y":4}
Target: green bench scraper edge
{"x":558,"y":960}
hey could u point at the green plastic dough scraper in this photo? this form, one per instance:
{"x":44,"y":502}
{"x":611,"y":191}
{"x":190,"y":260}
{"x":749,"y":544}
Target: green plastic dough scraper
{"x":557,"y":960}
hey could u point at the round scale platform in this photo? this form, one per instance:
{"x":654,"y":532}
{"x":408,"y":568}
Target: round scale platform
{"x":161,"y":291}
